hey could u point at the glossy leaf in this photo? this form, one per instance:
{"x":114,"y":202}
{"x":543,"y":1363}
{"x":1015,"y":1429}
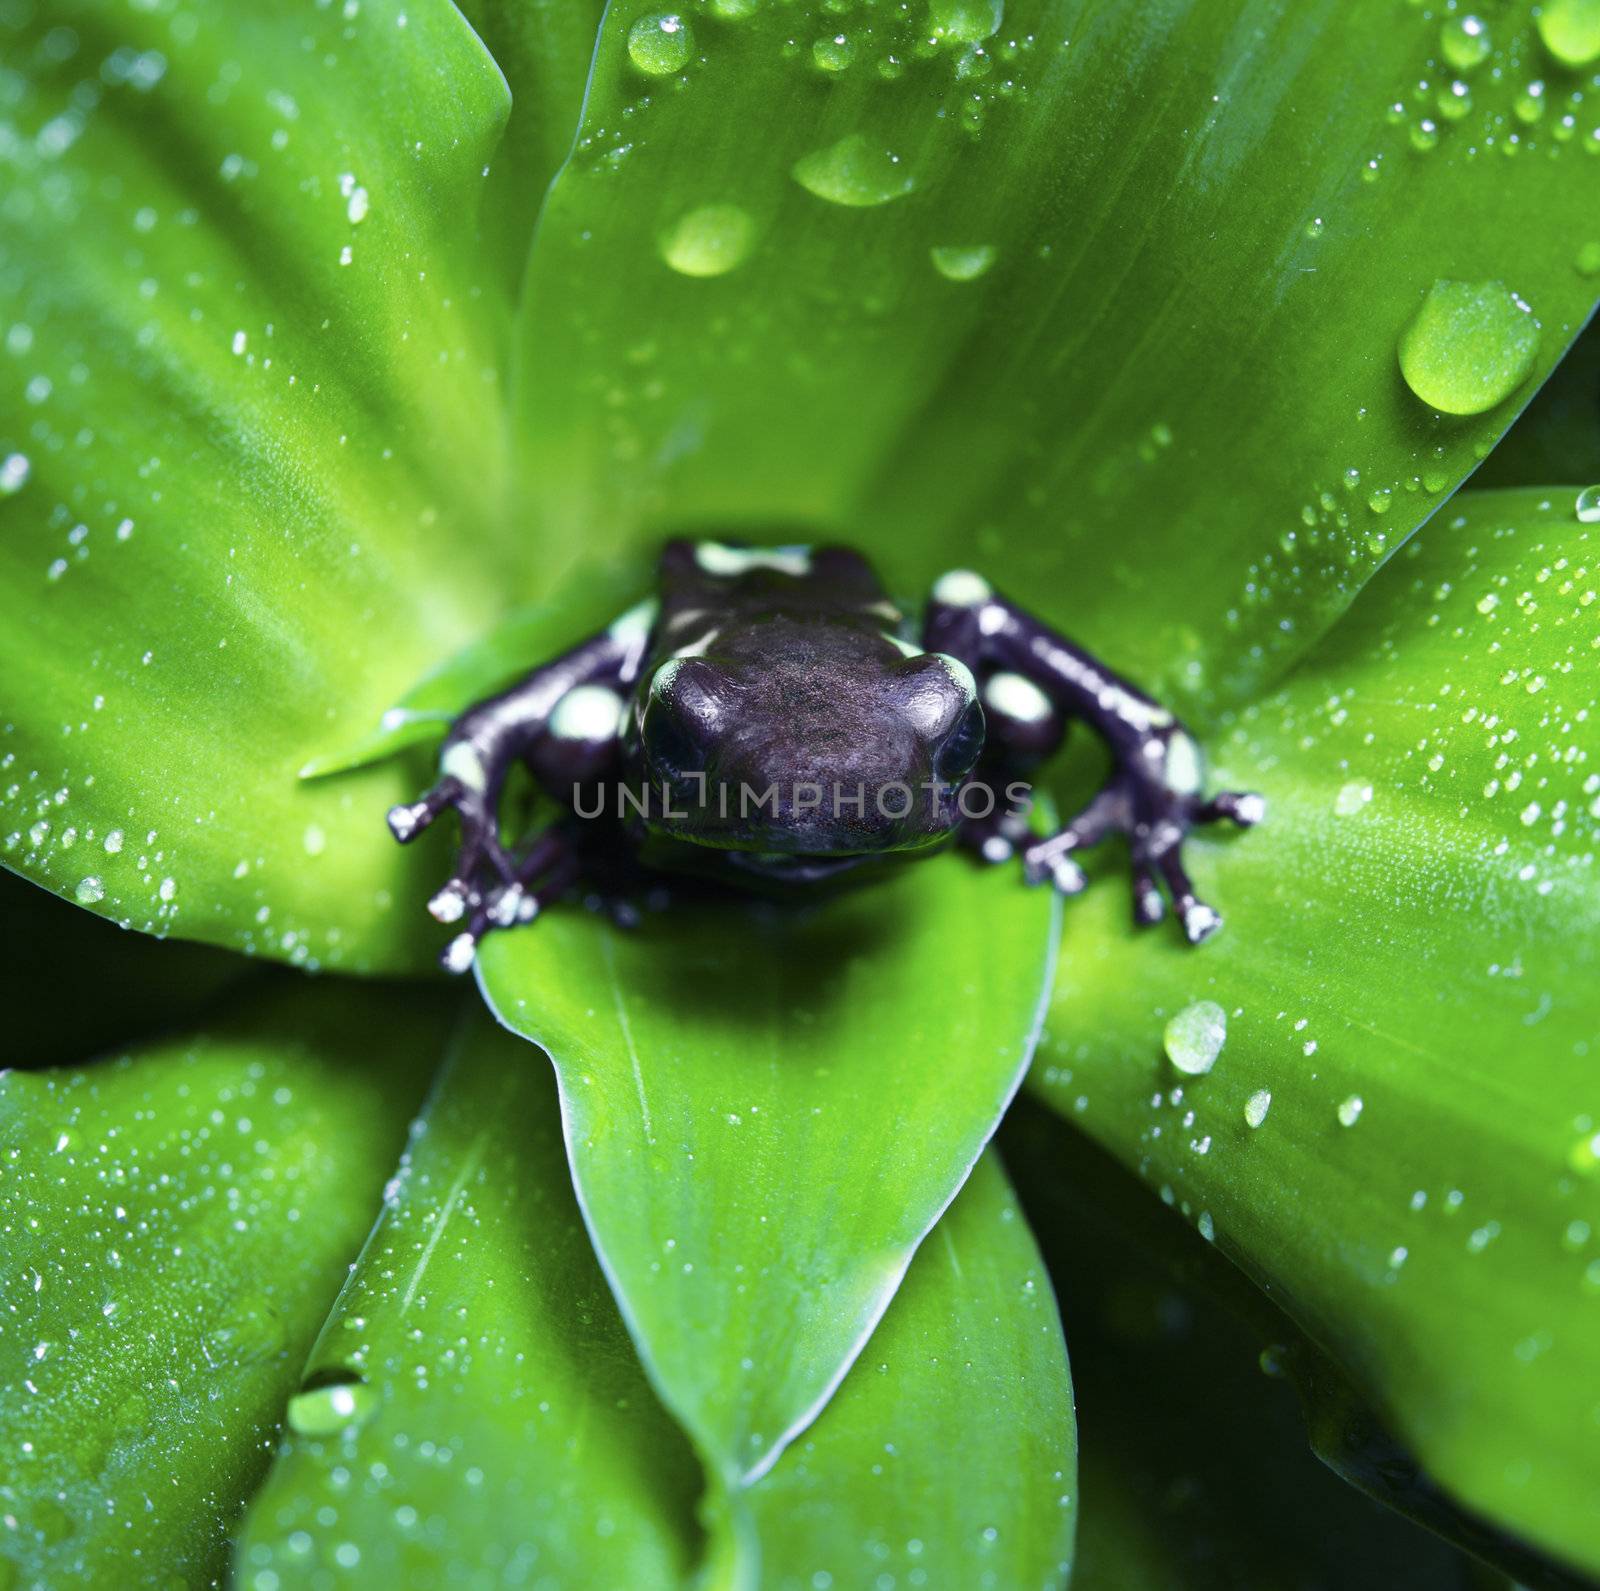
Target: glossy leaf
{"x":949,"y":1454}
{"x":176,"y":1222}
{"x":766,"y":1112}
{"x":251,"y":419}
{"x":526,"y":636}
{"x":1409,"y":972}
{"x":1104,"y":296}
{"x":544,"y":48}
{"x":1197,"y":1474}
{"x":499,"y":1424}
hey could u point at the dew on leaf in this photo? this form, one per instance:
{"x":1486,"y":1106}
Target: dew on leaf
{"x":1257,"y":1106}
{"x":1570,"y":30}
{"x":853,"y":172}
{"x":660,"y":44}
{"x":1350,"y":1110}
{"x":89,"y":891}
{"x":709,"y":241}
{"x":14,"y":471}
{"x":833,"y":53}
{"x":962,"y":262}
{"x":1588,"y":505}
{"x":1469,"y":346}
{"x":1464,"y":42}
{"x":327,"y":1410}
{"x":965,"y":21}
{"x":1352,"y":798}
{"x":1193,"y":1039}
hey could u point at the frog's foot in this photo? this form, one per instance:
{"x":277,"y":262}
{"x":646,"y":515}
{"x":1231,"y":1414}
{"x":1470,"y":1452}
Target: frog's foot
{"x":483,"y":864}
{"x":549,"y":869}
{"x":996,"y":837}
{"x":1156,"y":820}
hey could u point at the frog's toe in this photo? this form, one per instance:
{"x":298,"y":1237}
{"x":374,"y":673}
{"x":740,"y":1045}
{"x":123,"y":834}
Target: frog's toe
{"x":1242,"y":808}
{"x":408,"y":819}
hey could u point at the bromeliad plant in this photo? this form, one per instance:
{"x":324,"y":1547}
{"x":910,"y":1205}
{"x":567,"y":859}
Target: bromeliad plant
{"x":356,"y":355}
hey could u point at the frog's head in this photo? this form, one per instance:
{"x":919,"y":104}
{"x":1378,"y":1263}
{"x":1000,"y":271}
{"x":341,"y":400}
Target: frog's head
{"x":802,"y":740}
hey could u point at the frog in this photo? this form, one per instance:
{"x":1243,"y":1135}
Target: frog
{"x":769,"y":717}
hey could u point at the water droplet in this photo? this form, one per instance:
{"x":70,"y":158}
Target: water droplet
{"x":965,"y":21}
{"x":1454,"y":100}
{"x":963,"y":263}
{"x":168,"y":889}
{"x":1464,"y":42}
{"x":710,"y":241}
{"x":113,"y":841}
{"x":853,"y":172}
{"x":341,"y":1405}
{"x":834,"y":53}
{"x":14,"y":471}
{"x":1469,"y":346}
{"x":1194,"y":1037}
{"x":1529,"y":104}
{"x":1425,"y":135}
{"x":1257,"y":1106}
{"x":1352,"y":798}
{"x":660,"y":44}
{"x":1588,"y":505}
{"x":1570,"y":30}
{"x":89,"y":891}
{"x":1350,"y":1111}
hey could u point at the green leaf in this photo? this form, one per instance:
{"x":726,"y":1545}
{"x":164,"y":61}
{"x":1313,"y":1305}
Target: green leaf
{"x":544,"y":48}
{"x":261,"y":485}
{"x":497,"y":1422}
{"x":55,"y":954}
{"x":525,"y":636}
{"x":949,"y":1454}
{"x":1106,"y":296}
{"x":500,"y":1424}
{"x":176,"y":1222}
{"x":766,"y":1112}
{"x":1409,"y":971}
{"x":1192,"y":1442}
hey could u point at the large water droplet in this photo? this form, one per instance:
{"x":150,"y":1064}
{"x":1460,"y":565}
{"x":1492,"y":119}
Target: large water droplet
{"x":660,"y":44}
{"x":1257,"y":1106}
{"x":1350,"y":1111}
{"x":341,"y":1405}
{"x":1194,"y":1037}
{"x":965,"y":263}
{"x":1469,"y":346}
{"x":14,"y":472}
{"x":853,"y":172}
{"x":1588,"y":505}
{"x":710,"y":241}
{"x":90,"y":891}
{"x":1464,"y":41}
{"x":965,"y":21}
{"x":1570,"y":30}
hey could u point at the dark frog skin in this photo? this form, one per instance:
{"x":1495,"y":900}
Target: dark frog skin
{"x":765,"y":718}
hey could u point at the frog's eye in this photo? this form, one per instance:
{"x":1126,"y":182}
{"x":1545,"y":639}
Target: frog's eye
{"x":961,"y":746}
{"x":673,"y":712}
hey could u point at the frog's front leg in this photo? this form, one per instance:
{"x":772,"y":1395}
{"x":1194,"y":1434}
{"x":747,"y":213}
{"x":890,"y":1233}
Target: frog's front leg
{"x":1034,"y":680}
{"x":564,"y":719}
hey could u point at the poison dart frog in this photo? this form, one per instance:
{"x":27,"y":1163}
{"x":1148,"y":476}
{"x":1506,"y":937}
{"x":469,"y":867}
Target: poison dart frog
{"x":765,"y":715}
